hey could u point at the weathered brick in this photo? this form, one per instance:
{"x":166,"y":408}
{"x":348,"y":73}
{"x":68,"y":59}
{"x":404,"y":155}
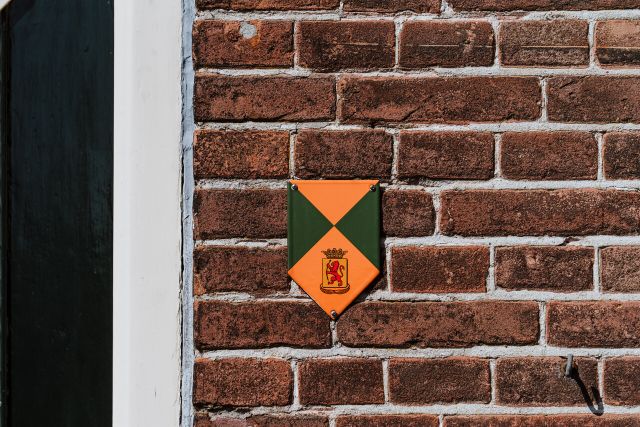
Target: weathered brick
{"x":387,"y":421}
{"x":263,"y":421}
{"x":620,"y":269}
{"x":446,"y":155}
{"x":540,"y":381}
{"x":240,"y":213}
{"x":438,"y":99}
{"x":419,"y":6}
{"x":446,"y":44}
{"x":263,"y":98}
{"x":621,"y":381}
{"x":240,"y":269}
{"x":545,"y":268}
{"x":346,"y":45}
{"x":439,"y":269}
{"x":343,"y":154}
{"x":222,"y":44}
{"x":513,"y":5}
{"x":539,"y":212}
{"x":259,"y":324}
{"x":544,"y":43}
{"x":242,"y":382}
{"x":618,"y":42}
{"x":622,"y":155}
{"x":341,"y":381}
{"x":569,"y":420}
{"x":593,"y":324}
{"x":429,"y":381}
{"x":543,"y":155}
{"x":439,"y":324}
{"x":240,"y":154}
{"x":407,"y":213}
{"x":595,"y":99}
{"x":247,"y":5}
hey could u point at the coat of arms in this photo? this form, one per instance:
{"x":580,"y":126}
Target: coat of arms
{"x":334,"y":272}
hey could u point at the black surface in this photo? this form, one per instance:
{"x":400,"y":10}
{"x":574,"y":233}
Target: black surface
{"x":60,"y":204}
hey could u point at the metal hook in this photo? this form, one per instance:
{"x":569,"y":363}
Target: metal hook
{"x":568,"y":370}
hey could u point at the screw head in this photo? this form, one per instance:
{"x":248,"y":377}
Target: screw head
{"x":372,"y":188}
{"x":334,"y":315}
{"x":294,"y":187}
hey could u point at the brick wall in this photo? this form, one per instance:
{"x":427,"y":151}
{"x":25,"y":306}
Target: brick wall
{"x":507,"y":138}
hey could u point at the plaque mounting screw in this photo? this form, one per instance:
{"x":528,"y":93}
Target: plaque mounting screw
{"x":372,"y":188}
{"x":334,"y":315}
{"x":294,"y":187}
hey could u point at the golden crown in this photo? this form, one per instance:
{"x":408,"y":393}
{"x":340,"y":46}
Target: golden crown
{"x":334,"y":253}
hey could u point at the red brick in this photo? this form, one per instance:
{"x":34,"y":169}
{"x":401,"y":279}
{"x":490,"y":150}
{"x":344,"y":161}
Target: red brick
{"x":430,"y":381}
{"x":343,"y":154}
{"x":407,"y":213}
{"x":446,"y":44}
{"x":593,"y":324}
{"x":539,"y":212}
{"x":263,"y":421}
{"x":622,"y":155}
{"x":387,"y":421}
{"x":419,"y":6}
{"x":514,"y":5}
{"x":341,"y":382}
{"x":247,"y":5}
{"x":621,"y":381}
{"x":571,"y":420}
{"x":222,"y":44}
{"x":545,"y":268}
{"x":239,"y":269}
{"x":439,"y":269}
{"x":242,"y":382}
{"x":540,"y":381}
{"x":620,"y":269}
{"x":263,"y":98}
{"x":438,"y":99}
{"x":618,"y":42}
{"x":240,"y":154}
{"x":446,"y":155}
{"x":555,"y":43}
{"x":594,"y":99}
{"x":259,"y":324}
{"x":240,"y":213}
{"x":439,"y":324}
{"x":543,"y":155}
{"x":346,"y":45}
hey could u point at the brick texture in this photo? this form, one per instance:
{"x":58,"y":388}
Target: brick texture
{"x":223,"y":324}
{"x":240,"y":269}
{"x":451,"y":380}
{"x":343,"y":45}
{"x":545,"y":268}
{"x":242,"y":382}
{"x":540,"y":381}
{"x":446,"y":155}
{"x":543,"y":155}
{"x":618,"y":43}
{"x":407,"y":213}
{"x":544,"y":43}
{"x":593,"y":324}
{"x":257,"y":44}
{"x":240,"y":154}
{"x":341,"y":382}
{"x":439,"y":269}
{"x":446,"y":44}
{"x":539,"y":212}
{"x":439,"y":324}
{"x":343,"y":154}
{"x":620,"y":269}
{"x":505,"y":136}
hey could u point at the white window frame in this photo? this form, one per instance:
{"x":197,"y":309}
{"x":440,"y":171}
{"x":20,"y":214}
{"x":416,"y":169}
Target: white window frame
{"x":147,"y":226}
